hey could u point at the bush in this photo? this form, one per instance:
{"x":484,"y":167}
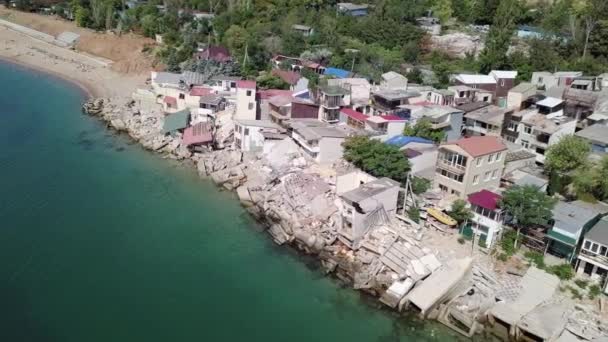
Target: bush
{"x":508,"y":241}
{"x":503,"y":257}
{"x":482,"y":244}
{"x":461,"y":240}
{"x":563,"y":272}
{"x":535,"y":258}
{"x":594,"y":291}
{"x":582,"y":283}
{"x":575,"y":293}
{"x":414,"y":214}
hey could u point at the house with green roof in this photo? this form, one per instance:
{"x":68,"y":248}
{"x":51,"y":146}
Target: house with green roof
{"x":593,"y":256}
{"x":571,"y":221}
{"x":176,"y":122}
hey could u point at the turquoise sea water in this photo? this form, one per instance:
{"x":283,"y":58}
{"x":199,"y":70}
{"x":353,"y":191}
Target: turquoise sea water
{"x":102,"y":241}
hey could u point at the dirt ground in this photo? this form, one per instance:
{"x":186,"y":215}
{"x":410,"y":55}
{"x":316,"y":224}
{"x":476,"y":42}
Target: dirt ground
{"x":126,"y":51}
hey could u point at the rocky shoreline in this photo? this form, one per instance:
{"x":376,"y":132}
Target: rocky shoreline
{"x":295,"y":200}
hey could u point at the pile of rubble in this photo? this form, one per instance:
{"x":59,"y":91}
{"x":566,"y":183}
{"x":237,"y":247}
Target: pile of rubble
{"x":144,"y":126}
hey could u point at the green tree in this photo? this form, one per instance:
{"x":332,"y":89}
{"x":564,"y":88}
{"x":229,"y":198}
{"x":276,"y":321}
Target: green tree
{"x":494,"y":55}
{"x":443,"y":10}
{"x":376,"y":158}
{"x":567,"y":155}
{"x":82,"y":16}
{"x":460,"y":211}
{"x":424,"y":129}
{"x":269,"y":81}
{"x":236,"y":39}
{"x":415,"y":76}
{"x":527,"y":206}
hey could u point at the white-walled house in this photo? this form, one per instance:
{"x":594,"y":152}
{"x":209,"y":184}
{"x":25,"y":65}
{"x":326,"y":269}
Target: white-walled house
{"x":246,"y":106}
{"x":363,"y":208}
{"x":593,"y":255}
{"x":487,"y":216}
{"x":250,"y":135}
{"x":537,"y":132}
{"x":322,"y":143}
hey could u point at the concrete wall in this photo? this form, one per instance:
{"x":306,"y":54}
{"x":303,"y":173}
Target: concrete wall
{"x":304,"y":111}
{"x":251,"y":141}
{"x":545,"y":81}
{"x":503,"y":85}
{"x":453,"y":132}
{"x":330,"y":150}
{"x":352,"y":180}
{"x":386,"y":198}
{"x":395,"y":128}
{"x":246,"y":107}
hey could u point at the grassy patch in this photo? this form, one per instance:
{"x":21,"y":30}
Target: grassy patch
{"x":536,"y":258}
{"x":594,"y":291}
{"x":582,"y":283}
{"x":563,"y":272}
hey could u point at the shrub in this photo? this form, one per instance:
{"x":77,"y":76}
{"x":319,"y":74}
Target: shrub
{"x":503,"y":257}
{"x":461,"y":240}
{"x":414,"y":214}
{"x":582,"y":283}
{"x":536,"y":258}
{"x":482,"y":244}
{"x":563,"y":272}
{"x":508,"y":241}
{"x":594,"y":291}
{"x":575,"y":293}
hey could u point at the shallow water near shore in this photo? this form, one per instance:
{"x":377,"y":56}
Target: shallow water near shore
{"x":103,"y":241}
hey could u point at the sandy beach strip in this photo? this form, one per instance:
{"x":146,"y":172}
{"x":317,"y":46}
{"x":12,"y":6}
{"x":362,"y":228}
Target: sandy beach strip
{"x":95,"y":79}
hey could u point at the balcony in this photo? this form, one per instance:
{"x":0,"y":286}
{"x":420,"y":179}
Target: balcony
{"x":593,"y":258}
{"x":440,"y":125}
{"x":452,"y":167}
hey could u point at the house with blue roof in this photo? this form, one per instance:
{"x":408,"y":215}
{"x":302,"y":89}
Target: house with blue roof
{"x":422,"y":154}
{"x":336,"y":72}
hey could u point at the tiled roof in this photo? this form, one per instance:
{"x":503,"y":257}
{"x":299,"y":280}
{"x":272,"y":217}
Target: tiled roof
{"x":485,"y":199}
{"x":480,"y":145}
{"x":290,"y":77}
{"x":197,"y":134}
{"x":268,"y":93}
{"x":245,"y":84}
{"x":200,"y":91}
{"x":353,"y":114}
{"x":392,"y":118}
{"x":476,"y":79}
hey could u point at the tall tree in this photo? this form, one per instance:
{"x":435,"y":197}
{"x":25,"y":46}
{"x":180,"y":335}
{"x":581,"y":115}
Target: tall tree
{"x":460,"y":211}
{"x":376,"y":158}
{"x":590,"y":12}
{"x":567,"y":155}
{"x":494,"y":55}
{"x":424,"y":129}
{"x":527,"y":206}
{"x":442,"y":9}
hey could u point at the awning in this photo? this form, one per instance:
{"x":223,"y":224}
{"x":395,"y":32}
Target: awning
{"x":176,"y":121}
{"x":561,"y":238}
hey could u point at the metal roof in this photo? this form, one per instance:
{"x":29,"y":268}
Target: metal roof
{"x":476,"y":79}
{"x":596,"y":133}
{"x":522,"y":87}
{"x":316,"y":132}
{"x":571,"y":217}
{"x":549,"y":102}
{"x":599,"y":232}
{"x":402,"y":140}
{"x":176,"y":121}
{"x":503,"y":74}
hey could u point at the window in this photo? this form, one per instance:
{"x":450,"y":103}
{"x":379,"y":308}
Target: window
{"x":487,"y":176}
{"x":451,"y":175}
{"x":502,"y":82}
{"x":603,"y":250}
{"x":461,"y":94}
{"x":587,"y":244}
{"x":478,"y":162}
{"x":494,"y":174}
{"x":476,"y":179}
{"x":509,"y":138}
{"x":594,"y":247}
{"x":182,"y":96}
{"x":486,"y":99}
{"x":250,"y":106}
{"x":527,"y":129}
{"x":443,"y":188}
{"x":246,"y":131}
{"x":512,"y":126}
{"x":525,"y":144}
{"x":490,"y":158}
{"x":248,"y":92}
{"x":498,"y":156}
{"x":540,"y":151}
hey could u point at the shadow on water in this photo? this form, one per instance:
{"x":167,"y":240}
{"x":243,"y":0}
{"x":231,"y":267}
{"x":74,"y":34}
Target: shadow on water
{"x":17,"y":323}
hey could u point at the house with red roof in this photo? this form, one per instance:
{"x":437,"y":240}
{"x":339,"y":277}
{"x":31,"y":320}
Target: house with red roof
{"x":214,"y":53}
{"x":487,"y":219}
{"x":295,"y":80}
{"x":469,"y":165}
